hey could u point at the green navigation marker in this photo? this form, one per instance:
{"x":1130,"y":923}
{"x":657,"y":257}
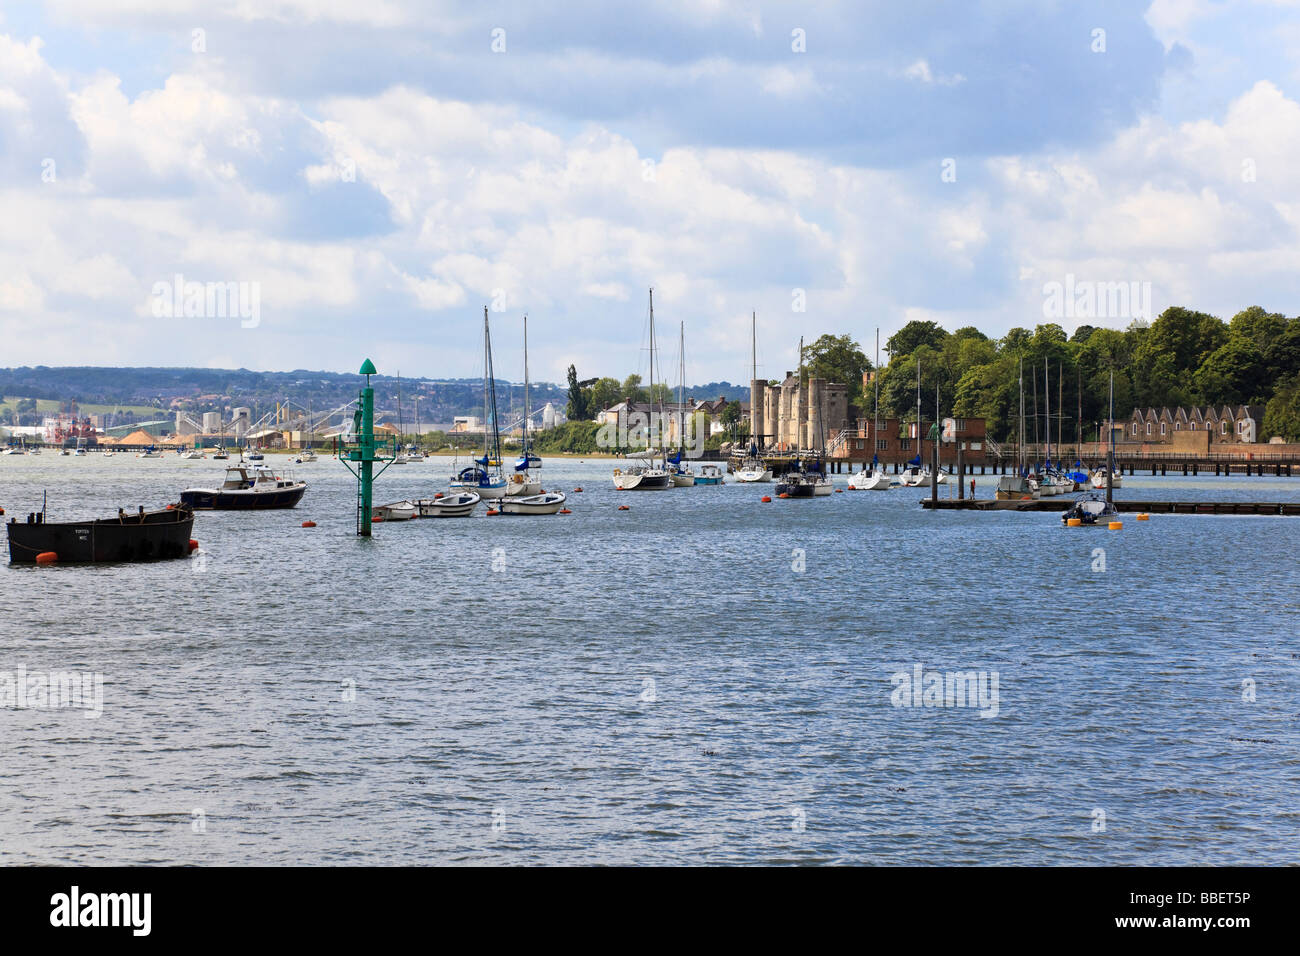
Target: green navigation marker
{"x":365,"y":451}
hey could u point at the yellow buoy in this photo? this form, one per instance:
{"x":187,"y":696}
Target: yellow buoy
{"x":1116,"y":525}
{"x":1073,"y":522}
{"x":1144,"y":517}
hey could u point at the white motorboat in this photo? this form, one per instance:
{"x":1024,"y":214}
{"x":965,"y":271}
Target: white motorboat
{"x":547,"y":504}
{"x":193,"y":455}
{"x":305,"y":456}
{"x":709,"y":475}
{"x":149,"y":452}
{"x":459,"y":504}
{"x":681,"y":477}
{"x":247,"y":488}
{"x":1016,"y":488}
{"x":79,"y":453}
{"x":14,"y":450}
{"x":1090,"y":510}
{"x":395,"y":511}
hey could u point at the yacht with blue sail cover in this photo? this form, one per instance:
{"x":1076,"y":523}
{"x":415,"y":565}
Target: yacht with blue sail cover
{"x":484,"y":476}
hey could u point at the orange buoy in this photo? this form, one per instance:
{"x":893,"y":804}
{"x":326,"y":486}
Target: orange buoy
{"x":381,"y":520}
{"x":170,"y":507}
{"x":852,"y":488}
{"x":194,"y":545}
{"x":47,"y":557}
{"x":575,"y":490}
{"x":2,"y":511}
{"x":767,"y":499}
{"x":492,"y":511}
{"x":438,"y":495}
{"x":565,"y":511}
{"x":624,"y":508}
{"x":839,"y":491}
{"x":783,"y":495}
{"x":1142,"y":517}
{"x":309,"y":524}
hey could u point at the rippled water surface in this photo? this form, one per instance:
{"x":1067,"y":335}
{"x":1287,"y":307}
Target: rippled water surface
{"x":701,"y":679}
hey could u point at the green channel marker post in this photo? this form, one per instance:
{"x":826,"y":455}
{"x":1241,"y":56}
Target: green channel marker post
{"x":364,"y":450}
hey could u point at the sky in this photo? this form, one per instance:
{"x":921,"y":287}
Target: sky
{"x":362,"y":179}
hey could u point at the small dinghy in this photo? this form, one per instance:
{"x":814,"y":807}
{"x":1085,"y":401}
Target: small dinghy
{"x":142,"y":536}
{"x":545,"y":504}
{"x":1090,"y":510}
{"x":395,"y":511}
{"x":457,"y":505}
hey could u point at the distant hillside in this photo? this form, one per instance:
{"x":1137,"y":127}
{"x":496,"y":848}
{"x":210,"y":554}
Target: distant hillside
{"x":205,"y":389}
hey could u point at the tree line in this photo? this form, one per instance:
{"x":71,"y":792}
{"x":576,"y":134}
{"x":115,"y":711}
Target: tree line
{"x":1182,"y":358}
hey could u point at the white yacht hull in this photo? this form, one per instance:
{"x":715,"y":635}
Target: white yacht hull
{"x":754,"y":476}
{"x":521,"y":485}
{"x":653,"y":480}
{"x":875,"y":481}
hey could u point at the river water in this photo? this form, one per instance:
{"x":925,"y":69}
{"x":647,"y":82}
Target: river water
{"x":701,"y":679}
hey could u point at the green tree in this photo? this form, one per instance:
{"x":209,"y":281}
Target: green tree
{"x":1282,"y":356}
{"x":1169,"y":353}
{"x":604,"y":393}
{"x":1282,"y":414}
{"x":632,"y":390}
{"x":1232,"y":373}
{"x":576,"y":410}
{"x":1257,"y":326}
{"x":837,"y":358}
{"x":913,"y":335}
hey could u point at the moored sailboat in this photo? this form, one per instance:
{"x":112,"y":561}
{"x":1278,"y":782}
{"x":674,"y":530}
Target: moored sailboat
{"x":484,"y":475}
{"x":648,"y":476}
{"x":522,"y":481}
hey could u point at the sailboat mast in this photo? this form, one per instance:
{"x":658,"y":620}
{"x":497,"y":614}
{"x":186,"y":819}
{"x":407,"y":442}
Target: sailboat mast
{"x":875,"y":380}
{"x":1022,"y":416}
{"x":681,"y":388}
{"x":803,"y":391}
{"x":658,"y":402}
{"x":1110,"y":453}
{"x":918,"y":409}
{"x":528,"y":408}
{"x":1047,"y":412}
